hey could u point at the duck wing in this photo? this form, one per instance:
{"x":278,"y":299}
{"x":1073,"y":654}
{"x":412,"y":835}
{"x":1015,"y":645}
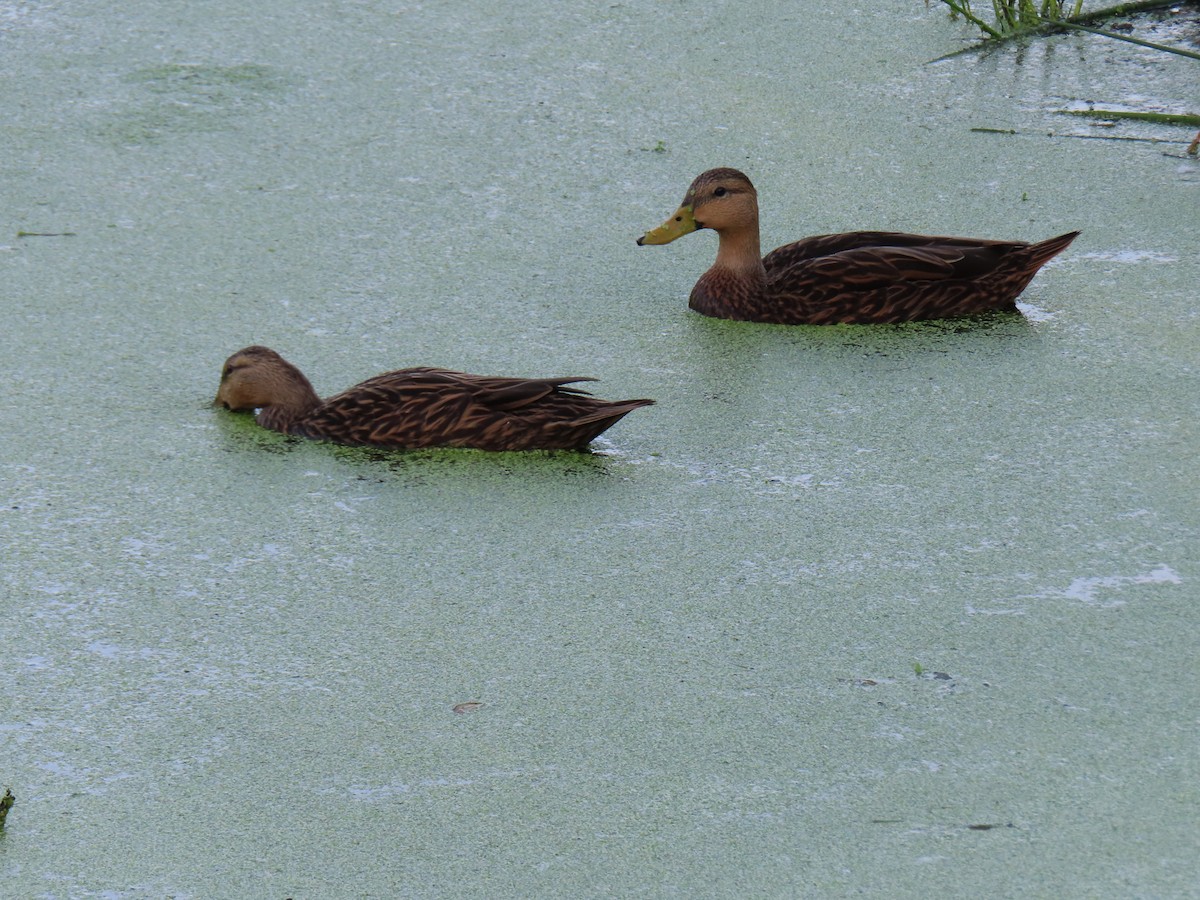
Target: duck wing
{"x":428,"y":407}
{"x":493,"y":391}
{"x":870,"y":260}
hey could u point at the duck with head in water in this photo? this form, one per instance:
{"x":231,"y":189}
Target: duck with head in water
{"x":866,"y":277}
{"x":421,"y":407}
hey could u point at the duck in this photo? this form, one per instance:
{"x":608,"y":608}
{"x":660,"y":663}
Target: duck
{"x":420,"y":407}
{"x":861,"y":277}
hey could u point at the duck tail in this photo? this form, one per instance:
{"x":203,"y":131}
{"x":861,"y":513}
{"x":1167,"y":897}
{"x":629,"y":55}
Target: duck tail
{"x":1044,"y":251}
{"x":590,"y":426}
{"x":611,"y":413}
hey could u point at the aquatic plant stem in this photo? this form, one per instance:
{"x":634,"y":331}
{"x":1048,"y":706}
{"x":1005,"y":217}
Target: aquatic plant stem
{"x":1158,"y":118}
{"x":1178,"y":51}
{"x":973,"y":19}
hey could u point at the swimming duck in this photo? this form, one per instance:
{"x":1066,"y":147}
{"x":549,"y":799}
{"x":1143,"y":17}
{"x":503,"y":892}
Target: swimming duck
{"x":422,"y":407}
{"x":864,"y":276}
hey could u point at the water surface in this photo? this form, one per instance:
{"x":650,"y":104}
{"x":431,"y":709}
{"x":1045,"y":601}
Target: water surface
{"x":882,"y":611}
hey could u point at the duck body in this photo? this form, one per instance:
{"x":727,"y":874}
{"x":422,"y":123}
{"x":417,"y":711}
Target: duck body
{"x":420,"y":407}
{"x":865,"y":277}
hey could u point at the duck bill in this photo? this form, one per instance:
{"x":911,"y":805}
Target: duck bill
{"x":681,"y":223}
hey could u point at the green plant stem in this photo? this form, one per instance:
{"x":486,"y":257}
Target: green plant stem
{"x":1158,"y":118}
{"x":1179,"y":51}
{"x":973,"y":19}
{"x":1123,"y":9}
{"x":1080,"y":137}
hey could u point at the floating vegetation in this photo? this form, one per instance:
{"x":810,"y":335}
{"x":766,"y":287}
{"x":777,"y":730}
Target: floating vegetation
{"x":6,"y":803}
{"x":1020,"y":18}
{"x":1023,"y":18}
{"x":1110,"y":117}
{"x":205,"y":81}
{"x":181,"y":99}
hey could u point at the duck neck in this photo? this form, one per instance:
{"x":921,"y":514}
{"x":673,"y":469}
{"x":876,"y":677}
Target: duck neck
{"x":739,"y":253}
{"x":291,"y":401}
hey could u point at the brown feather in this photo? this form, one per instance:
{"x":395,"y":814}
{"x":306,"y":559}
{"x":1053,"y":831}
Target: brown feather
{"x":421,"y":407}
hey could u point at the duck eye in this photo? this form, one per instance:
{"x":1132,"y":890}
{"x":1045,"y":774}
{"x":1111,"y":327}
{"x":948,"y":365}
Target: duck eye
{"x":720,"y":192}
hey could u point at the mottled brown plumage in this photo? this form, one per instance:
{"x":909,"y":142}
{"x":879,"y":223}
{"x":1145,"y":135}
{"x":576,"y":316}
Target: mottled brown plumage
{"x":867,"y":277}
{"x":421,"y":407}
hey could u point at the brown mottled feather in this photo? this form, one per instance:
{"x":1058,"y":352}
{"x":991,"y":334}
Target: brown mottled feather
{"x":421,"y":407}
{"x":859,"y":277}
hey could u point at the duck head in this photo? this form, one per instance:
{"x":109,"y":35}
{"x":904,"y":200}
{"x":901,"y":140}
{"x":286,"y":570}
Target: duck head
{"x":721,"y":199}
{"x":258,"y":378}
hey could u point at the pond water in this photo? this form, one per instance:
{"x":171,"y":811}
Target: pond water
{"x":887,"y":611}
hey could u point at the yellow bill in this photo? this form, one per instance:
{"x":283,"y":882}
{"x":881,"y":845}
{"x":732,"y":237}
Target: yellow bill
{"x":681,"y":223}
